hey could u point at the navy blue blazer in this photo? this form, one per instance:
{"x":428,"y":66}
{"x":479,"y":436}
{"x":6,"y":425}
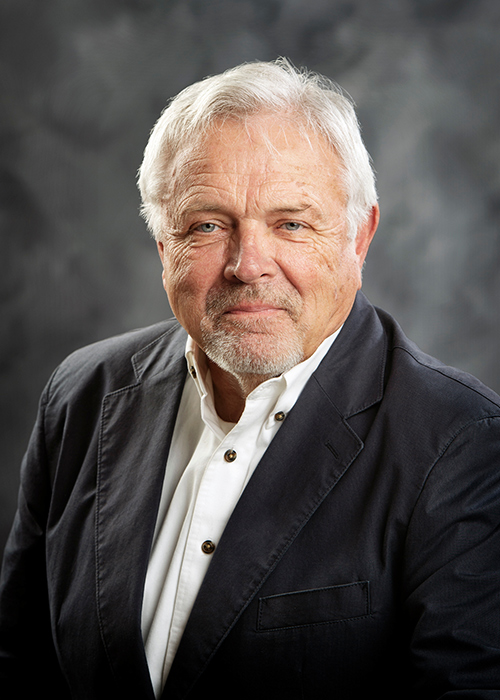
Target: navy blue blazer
{"x":362,"y":557}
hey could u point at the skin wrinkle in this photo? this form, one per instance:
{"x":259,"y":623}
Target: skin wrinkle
{"x":189,"y":156}
{"x":258,"y":265}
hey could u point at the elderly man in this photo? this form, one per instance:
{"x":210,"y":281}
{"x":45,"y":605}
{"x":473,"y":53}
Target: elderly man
{"x":276,"y":495}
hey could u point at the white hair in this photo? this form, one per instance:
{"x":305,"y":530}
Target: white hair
{"x":246,"y":90}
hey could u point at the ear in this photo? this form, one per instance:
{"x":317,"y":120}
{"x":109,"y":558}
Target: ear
{"x":161,"y":252}
{"x":365,"y":234}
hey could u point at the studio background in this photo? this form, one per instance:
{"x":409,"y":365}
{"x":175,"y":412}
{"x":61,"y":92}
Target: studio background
{"x":82,"y":83}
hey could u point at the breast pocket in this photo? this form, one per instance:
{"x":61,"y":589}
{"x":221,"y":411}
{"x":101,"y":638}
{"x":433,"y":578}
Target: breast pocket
{"x":315,"y":606}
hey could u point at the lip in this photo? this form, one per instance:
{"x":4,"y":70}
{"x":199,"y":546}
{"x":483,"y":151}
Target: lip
{"x":249,"y":308}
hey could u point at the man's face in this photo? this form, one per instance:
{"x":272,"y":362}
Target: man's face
{"x":258,"y":266}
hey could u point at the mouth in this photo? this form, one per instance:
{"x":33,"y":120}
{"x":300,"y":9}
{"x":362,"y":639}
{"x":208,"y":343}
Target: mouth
{"x":253,"y":309}
{"x":258,"y":307}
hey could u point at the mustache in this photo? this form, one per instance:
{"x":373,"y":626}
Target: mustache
{"x":221,"y":300}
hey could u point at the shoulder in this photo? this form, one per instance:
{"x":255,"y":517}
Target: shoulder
{"x":372,"y":365}
{"x":118,"y":361}
{"x":431,"y":386}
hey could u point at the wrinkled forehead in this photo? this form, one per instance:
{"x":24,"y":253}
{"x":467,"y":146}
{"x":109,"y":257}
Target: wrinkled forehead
{"x":253,"y":170}
{"x":264,"y":144}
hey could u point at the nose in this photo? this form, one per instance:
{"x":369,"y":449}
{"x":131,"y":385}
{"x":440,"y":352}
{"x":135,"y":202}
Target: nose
{"x":251,"y":255}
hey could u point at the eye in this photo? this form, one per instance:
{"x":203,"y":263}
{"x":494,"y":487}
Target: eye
{"x":291,"y":226}
{"x":208,"y":227}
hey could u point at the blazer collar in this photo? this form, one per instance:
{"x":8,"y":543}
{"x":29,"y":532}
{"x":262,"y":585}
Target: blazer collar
{"x":162,"y":355}
{"x":352,"y":374}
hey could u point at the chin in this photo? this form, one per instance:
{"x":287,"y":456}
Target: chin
{"x":254,"y":355}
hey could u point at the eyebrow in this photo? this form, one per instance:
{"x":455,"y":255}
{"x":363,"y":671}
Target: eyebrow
{"x":291,"y":210}
{"x":205,"y":206}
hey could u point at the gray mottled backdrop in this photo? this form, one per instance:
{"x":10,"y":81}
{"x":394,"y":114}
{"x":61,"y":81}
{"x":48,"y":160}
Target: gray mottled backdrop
{"x":82,"y":82}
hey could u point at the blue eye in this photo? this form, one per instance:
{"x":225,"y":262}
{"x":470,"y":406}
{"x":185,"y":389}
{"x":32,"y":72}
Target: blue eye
{"x":207,"y":228}
{"x":292,"y":226}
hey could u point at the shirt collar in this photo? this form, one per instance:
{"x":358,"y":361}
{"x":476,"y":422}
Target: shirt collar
{"x":287,"y":387}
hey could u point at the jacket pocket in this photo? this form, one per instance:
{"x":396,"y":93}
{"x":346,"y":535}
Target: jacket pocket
{"x":314,"y":606}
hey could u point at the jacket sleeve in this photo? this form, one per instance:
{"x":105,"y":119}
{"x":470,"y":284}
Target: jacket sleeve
{"x":28,"y":661}
{"x":452,"y":565}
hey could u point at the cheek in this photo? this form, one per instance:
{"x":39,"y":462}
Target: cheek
{"x":313,"y":268}
{"x":328,"y":276}
{"x":188,"y":262}
{"x":188,"y":275}
{"x":177,"y":274}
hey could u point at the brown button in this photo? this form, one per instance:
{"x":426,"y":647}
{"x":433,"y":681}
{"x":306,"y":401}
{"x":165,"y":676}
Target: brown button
{"x":230,"y":456}
{"x":279,"y":416}
{"x":208,"y":547}
{"x":193,"y":372}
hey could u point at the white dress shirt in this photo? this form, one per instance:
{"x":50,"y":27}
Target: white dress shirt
{"x":209,"y":464}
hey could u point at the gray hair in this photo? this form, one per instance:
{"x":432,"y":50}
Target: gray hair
{"x":252,"y":88}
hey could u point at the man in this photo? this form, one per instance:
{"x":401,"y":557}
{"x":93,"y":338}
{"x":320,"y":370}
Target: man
{"x":281,"y":497}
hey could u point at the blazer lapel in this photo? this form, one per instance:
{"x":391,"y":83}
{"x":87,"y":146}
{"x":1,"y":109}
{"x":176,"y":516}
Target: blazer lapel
{"x":136,"y":428}
{"x":287,"y":485}
{"x":306,"y":459}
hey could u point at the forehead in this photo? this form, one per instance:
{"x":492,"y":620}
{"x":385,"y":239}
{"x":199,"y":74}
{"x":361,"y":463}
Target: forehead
{"x":262,"y":155}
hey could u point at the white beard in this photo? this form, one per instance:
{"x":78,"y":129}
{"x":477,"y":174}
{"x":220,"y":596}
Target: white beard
{"x":266,"y":348}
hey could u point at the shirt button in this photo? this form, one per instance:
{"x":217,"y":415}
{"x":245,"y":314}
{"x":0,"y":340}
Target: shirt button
{"x":279,"y":416}
{"x":193,"y":372}
{"x":208,"y":547}
{"x":230,"y":456}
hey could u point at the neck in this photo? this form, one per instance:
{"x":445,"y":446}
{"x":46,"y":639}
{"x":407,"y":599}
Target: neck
{"x":231,"y":391}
